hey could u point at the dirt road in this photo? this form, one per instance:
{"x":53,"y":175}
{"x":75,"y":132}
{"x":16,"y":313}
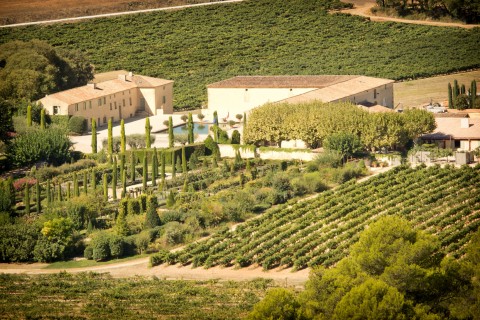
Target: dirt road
{"x":362,"y":8}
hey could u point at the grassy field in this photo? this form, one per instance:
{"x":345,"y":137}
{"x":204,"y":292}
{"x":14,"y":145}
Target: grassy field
{"x":419,"y":92}
{"x":88,"y":263}
{"x":98,"y":296}
{"x":199,"y":46}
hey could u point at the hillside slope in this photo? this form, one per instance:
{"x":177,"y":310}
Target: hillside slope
{"x":320,"y":231}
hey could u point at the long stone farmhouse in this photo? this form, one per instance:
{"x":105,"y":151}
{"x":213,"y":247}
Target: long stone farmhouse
{"x":243,"y":93}
{"x":118,"y":98}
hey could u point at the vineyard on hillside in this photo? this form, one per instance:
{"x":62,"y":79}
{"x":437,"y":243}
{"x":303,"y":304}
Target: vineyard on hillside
{"x":320,"y":231}
{"x":199,"y":46}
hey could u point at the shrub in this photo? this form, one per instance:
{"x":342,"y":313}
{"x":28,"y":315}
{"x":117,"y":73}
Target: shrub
{"x":174,"y":233}
{"x":77,"y":125}
{"x":235,"y":137}
{"x":100,"y":246}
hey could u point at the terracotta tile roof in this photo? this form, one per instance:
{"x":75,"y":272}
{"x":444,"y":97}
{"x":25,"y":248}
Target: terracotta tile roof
{"x":281,"y":81}
{"x":105,"y":88}
{"x":340,"y":90}
{"x":450,"y":128}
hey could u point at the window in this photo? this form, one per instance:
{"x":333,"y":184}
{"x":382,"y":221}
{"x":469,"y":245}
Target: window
{"x":123,"y":102}
{"x":110,"y":106}
{"x":115,"y":103}
{"x":90,"y":104}
{"x":76,"y":106}
{"x":130,"y":99}
{"x":164,"y":99}
{"x":104,"y":120}
{"x":98,"y":121}
{"x":104,"y":100}
{"x":56,"y":109}
{"x":374,"y":93}
{"x":99,"y":102}
{"x":84,"y":105}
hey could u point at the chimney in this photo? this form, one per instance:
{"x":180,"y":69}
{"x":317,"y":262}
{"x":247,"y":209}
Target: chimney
{"x":464,"y":123}
{"x":92,"y":85}
{"x":122,"y":77}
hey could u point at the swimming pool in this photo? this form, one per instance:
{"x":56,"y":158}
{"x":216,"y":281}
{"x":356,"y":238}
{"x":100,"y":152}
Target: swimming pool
{"x":198,"y":128}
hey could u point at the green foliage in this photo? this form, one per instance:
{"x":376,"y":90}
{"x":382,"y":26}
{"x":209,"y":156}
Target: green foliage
{"x":235,"y":137}
{"x":42,"y":119}
{"x":50,"y":145}
{"x":57,"y":237}
{"x":347,"y":144}
{"x":77,"y":125}
{"x":152,"y":219}
{"x":34,"y":68}
{"x":191,"y":136}
{"x":17,"y":242}
{"x":7,"y":195}
{"x":278,"y":304}
{"x":122,"y":136}
{"x":148,"y":130}
{"x":429,"y":49}
{"x":461,"y":102}
{"x":110,"y":137}
{"x":170,"y":133}
{"x":94,"y":136}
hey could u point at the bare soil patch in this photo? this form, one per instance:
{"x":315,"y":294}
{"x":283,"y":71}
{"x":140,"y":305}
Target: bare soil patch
{"x":17,"y":11}
{"x":362,"y":8}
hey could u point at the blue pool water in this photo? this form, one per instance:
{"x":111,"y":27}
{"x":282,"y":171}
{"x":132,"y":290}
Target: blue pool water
{"x":200,"y":128}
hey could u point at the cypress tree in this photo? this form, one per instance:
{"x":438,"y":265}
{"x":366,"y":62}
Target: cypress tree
{"x":462,"y":89}
{"x":152,"y":219}
{"x":191,"y":137}
{"x":132,"y":167}
{"x":215,"y":118}
{"x":456,"y":90}
{"x":124,"y":184}
{"x":162,"y":167}
{"x":85,"y":182}
{"x":59,"y":193}
{"x":42,"y":119}
{"x":174,"y":169}
{"x":38,"y":198}
{"x":27,"y":198}
{"x":7,"y":195}
{"x":105,"y":187}
{"x":93,"y":180}
{"x":114,"y":179}
{"x":121,"y":226}
{"x":110,"y":138}
{"x":178,"y":165}
{"x":147,"y":133}
{"x":76,"y":192}
{"x":122,"y":136}
{"x":171,"y":138}
{"x":144,"y":173}
{"x":473,"y":93}
{"x":185,"y":183}
{"x":49,"y":195}
{"x":244,"y":120}
{"x":154,"y":167}
{"x":68,"y":190}
{"x":184,"y":161}
{"x":450,"y":96}
{"x":29,"y":116}
{"x":122,"y":164}
{"x":94,"y":136}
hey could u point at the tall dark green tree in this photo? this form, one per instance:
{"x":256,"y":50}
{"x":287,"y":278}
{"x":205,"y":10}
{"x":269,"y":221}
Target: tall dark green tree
{"x":450,"y":96}
{"x":162,"y":167}
{"x":59,"y":193}
{"x":190,"y":125}
{"x":124,"y":184}
{"x":93,"y":180}
{"x":132,"y":167}
{"x":69,"y":187}
{"x":85,"y":182}
{"x":49,"y":193}
{"x":184,"y":161}
{"x":42,"y":119}
{"x":171,"y":138}
{"x":94,"y":136}
{"x":144,"y":173}
{"x":38,"y":197}
{"x":154,"y":167}
{"x":114,"y":179}
{"x":122,"y":136}
{"x":105,"y":187}
{"x":456,"y":90}
{"x":110,"y":137}
{"x":174,"y":158}
{"x":29,"y":116}
{"x":152,"y":219}
{"x":76,"y":192}
{"x":473,"y":93}
{"x":148,"y":130}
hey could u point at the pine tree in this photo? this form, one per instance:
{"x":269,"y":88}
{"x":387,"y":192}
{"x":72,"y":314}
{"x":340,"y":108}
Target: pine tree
{"x":147,"y":133}
{"x":94,"y":136}
{"x":144,"y":173}
{"x":450,"y":96}
{"x":49,"y":195}
{"x":152,"y":219}
{"x":114,"y":179}
{"x":76,"y":192}
{"x":27,"y":198}
{"x":85,"y":182}
{"x":29,"y":116}
{"x":93,"y":180}
{"x":171,"y":138}
{"x":154,"y":167}
{"x":122,"y":136}
{"x":38,"y":199}
{"x":110,"y":137}
{"x":191,"y":137}
{"x":184,"y":161}
{"x":105,"y":187}
{"x":42,"y":119}
{"x":132,"y":167}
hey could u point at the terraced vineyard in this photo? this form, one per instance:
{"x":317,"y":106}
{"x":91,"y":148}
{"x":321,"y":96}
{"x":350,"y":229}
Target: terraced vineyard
{"x":443,"y":201}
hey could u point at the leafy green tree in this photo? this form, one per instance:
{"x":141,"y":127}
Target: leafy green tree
{"x":93,"y":180}
{"x":94,"y":136}
{"x":122,"y":136}
{"x":57,"y":238}
{"x":7,"y":195}
{"x":148,"y":130}
{"x":116,"y":245}
{"x":6,"y":121}
{"x":278,"y":303}
{"x":347,"y":144}
{"x":101,"y":246}
{"x":235,"y":137}
{"x":461,"y":102}
{"x":152,"y":219}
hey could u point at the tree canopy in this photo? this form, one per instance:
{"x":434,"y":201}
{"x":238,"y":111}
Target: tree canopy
{"x":29,"y":70}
